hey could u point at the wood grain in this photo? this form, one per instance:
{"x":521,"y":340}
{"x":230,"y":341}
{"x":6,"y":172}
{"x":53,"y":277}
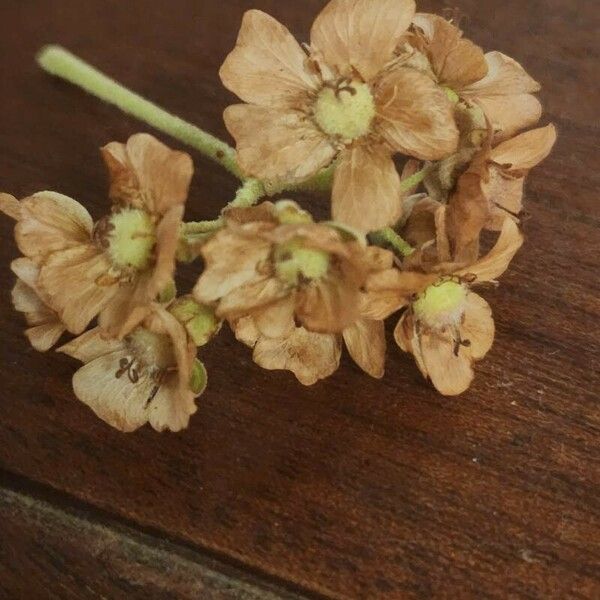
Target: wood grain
{"x":353,"y":488}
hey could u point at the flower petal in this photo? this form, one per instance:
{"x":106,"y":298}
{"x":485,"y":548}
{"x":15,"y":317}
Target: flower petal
{"x":310,"y":356}
{"x":525,"y":151}
{"x":70,"y":279}
{"x":450,"y":372}
{"x":415,"y":116}
{"x":246,"y":298}
{"x":91,"y":345}
{"x":277,"y":145}
{"x":510,"y":114}
{"x":277,"y":319}
{"x":171,"y":408}
{"x":505,"y":194}
{"x":360,"y":35}
{"x":147,"y":174}
{"x":365,"y":340}
{"x":43,"y":337}
{"x":267,"y":66}
{"x":366,"y":189}
{"x":50,"y":222}
{"x":457,"y":62}
{"x":10,"y":206}
{"x":116,"y":400}
{"x":478,"y":326}
{"x":493,"y":264}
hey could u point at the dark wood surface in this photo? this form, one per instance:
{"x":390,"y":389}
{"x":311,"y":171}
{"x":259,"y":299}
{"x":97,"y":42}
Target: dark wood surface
{"x":353,"y":488}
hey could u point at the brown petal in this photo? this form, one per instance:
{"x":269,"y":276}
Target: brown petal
{"x":310,"y":356}
{"x":146,"y":174}
{"x":366,"y":189}
{"x":407,"y":339}
{"x":415,"y":116}
{"x":525,"y":151}
{"x":69,"y":278}
{"x":50,"y":222}
{"x":505,"y":77}
{"x":455,"y":61}
{"x":510,"y":114}
{"x":267,"y":66}
{"x":478,"y":326}
{"x":277,"y":146}
{"x":231,"y":260}
{"x":167,"y":240}
{"x":365,"y":340}
{"x":451,"y":373}
{"x":277,"y":319}
{"x":246,"y":298}
{"x":43,"y":337}
{"x":505,"y":194}
{"x":493,"y":264}
{"x":360,"y":35}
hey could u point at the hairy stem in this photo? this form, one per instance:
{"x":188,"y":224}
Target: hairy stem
{"x":388,"y":238}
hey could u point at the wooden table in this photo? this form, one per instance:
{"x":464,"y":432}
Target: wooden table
{"x":352,"y":488}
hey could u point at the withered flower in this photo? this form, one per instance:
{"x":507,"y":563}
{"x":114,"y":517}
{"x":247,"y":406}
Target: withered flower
{"x":446,"y":325}
{"x":150,"y":376}
{"x":292,"y":290}
{"x":121,"y":263}
{"x":346,"y":96}
{"x":494,"y":81}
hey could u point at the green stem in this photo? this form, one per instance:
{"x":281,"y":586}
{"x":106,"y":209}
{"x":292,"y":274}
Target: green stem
{"x":387,"y":237}
{"x":413,"y":180}
{"x":63,"y":64}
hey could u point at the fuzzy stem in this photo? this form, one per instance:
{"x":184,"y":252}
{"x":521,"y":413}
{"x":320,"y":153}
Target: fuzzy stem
{"x":413,"y":180}
{"x":387,"y":237}
{"x":61,"y":63}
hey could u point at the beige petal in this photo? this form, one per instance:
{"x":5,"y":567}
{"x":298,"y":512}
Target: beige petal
{"x":71,"y":279}
{"x":360,"y":35}
{"x":407,"y":339}
{"x":267,"y":65}
{"x":116,"y":400}
{"x":478,"y":326}
{"x":505,"y":194}
{"x":91,"y":345}
{"x":147,"y":174}
{"x":366,"y":189}
{"x":510,"y":114}
{"x":50,"y":222}
{"x":365,"y":340}
{"x":25,"y":300}
{"x":43,"y":337}
{"x":10,"y":206}
{"x":245,"y":330}
{"x":277,"y":146}
{"x":251,"y":296}
{"x":457,"y":62}
{"x":171,"y":408}
{"x":26,"y":270}
{"x":328,"y":306}
{"x":493,"y":264}
{"x":167,"y":240}
{"x":525,"y":151}
{"x":420,"y":226}
{"x":310,"y":356}
{"x":451,"y":373}
{"x":390,"y":290}
{"x":505,"y":77}
{"x":277,"y":319}
{"x":415,"y":116}
{"x":231,"y":260}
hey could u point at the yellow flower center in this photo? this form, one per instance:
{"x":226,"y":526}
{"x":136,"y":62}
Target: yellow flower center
{"x":441,"y":304}
{"x":131,"y":239}
{"x":199,"y":320}
{"x":346,"y":111}
{"x":153,"y":350}
{"x":295,"y":263}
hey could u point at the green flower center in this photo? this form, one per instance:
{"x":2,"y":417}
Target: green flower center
{"x":151,"y":349}
{"x":131,"y":239}
{"x":441,"y":303}
{"x":295,"y":263}
{"x":346,"y":111}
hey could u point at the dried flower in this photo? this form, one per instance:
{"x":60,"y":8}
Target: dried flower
{"x":150,"y":376}
{"x":282,"y":273}
{"x":494,"y":81}
{"x":348,"y":98}
{"x":446,"y":326}
{"x":121,"y":263}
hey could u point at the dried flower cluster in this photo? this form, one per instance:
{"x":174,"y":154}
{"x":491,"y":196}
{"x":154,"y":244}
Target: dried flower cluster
{"x":376,"y":83}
